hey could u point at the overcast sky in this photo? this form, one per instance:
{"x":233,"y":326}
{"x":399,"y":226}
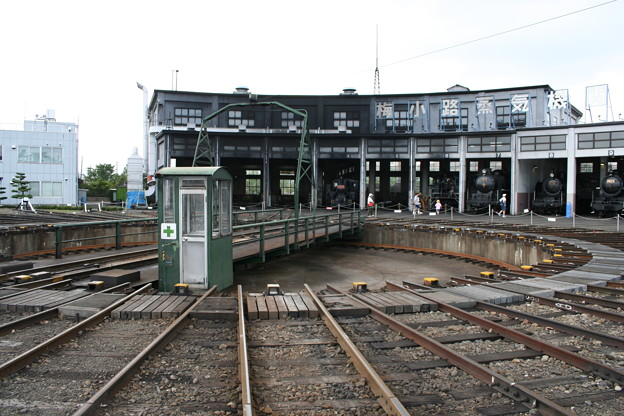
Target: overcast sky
{"x":83,"y":58}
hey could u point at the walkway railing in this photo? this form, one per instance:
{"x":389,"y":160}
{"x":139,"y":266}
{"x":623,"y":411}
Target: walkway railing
{"x":296,"y":233}
{"x":116,"y":231}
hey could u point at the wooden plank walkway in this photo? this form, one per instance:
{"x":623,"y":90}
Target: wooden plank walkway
{"x":39,"y":299}
{"x":292,"y":305}
{"x":243,"y":250}
{"x":396,"y":302}
{"x":153,"y":307}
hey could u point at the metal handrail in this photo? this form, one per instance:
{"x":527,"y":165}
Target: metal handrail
{"x":292,"y":226}
{"x":118,"y":235}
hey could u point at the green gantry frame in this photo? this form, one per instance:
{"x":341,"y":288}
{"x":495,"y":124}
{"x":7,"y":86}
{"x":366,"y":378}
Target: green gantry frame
{"x":204,"y":154}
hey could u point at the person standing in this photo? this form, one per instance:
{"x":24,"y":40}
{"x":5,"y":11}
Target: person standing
{"x":370,"y":202}
{"x":416,"y":205}
{"x":438,"y":207}
{"x":503,"y":205}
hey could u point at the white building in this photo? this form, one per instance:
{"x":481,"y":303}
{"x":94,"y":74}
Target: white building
{"x":47,"y":152}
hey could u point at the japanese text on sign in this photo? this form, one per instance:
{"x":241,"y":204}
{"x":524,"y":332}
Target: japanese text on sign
{"x":485,"y":105}
{"x":450,"y":107}
{"x":520,"y":103}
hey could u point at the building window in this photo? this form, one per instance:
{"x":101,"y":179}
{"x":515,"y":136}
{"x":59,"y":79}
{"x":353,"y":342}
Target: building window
{"x":290,"y":119}
{"x":377,"y":146}
{"x":240,"y":118}
{"x":401,"y":121}
{"x":502,"y":117}
{"x":434,"y":166}
{"x":252,"y":182}
{"x":534,"y":143}
{"x":418,"y":166}
{"x":348,"y":119}
{"x":496,"y":165}
{"x":457,"y":121}
{"x":46,"y":189}
{"x":454,"y":166}
{"x":51,"y":155}
{"x":36,"y":154}
{"x":287,"y":185}
{"x":439,"y":145}
{"x":489,"y":144}
{"x":586,"y":167}
{"x":519,"y":119}
{"x":1,"y":152}
{"x":474,"y":166}
{"x":252,"y":186}
{"x":601,"y":140}
{"x":395,"y":166}
{"x":186,"y":116}
{"x":612,"y":166}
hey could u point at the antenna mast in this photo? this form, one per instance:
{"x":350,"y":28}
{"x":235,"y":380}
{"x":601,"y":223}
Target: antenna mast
{"x":376,"y":89}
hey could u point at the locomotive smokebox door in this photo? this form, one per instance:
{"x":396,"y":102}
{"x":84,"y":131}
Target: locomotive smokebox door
{"x":195,"y":238}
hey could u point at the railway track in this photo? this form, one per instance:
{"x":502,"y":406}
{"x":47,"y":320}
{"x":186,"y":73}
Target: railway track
{"x":445,"y":362}
{"x":558,"y":354}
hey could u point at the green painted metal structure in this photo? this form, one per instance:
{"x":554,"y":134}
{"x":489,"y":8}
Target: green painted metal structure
{"x":195,"y":236}
{"x":204,"y":154}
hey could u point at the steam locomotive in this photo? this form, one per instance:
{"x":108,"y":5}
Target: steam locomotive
{"x":611,"y":198}
{"x":548,"y":196}
{"x":342,"y":193}
{"x":488,"y":187}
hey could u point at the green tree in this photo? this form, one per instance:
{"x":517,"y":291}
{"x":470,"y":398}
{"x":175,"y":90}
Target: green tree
{"x":2,"y":192}
{"x":102,"y":178}
{"x":21,"y":187}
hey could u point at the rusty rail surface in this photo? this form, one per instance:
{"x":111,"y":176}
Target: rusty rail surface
{"x":386,"y":397}
{"x":125,"y":374}
{"x":29,"y":356}
{"x":561,"y":304}
{"x":598,"y":369}
{"x":243,"y":358}
{"x":514,"y":391}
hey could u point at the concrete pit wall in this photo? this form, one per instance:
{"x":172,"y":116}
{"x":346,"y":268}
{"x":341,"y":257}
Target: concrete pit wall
{"x":491,"y":246}
{"x":32,"y":240}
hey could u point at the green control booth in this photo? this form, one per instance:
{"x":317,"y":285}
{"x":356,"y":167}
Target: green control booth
{"x":195,"y":238}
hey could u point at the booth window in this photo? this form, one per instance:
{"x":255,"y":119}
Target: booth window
{"x":221,"y":208}
{"x":168,"y":200}
{"x":193,"y":223}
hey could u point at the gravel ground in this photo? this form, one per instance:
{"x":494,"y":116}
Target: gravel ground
{"x":59,"y":381}
{"x":17,"y":342}
{"x":196,"y":372}
{"x":275,"y":386}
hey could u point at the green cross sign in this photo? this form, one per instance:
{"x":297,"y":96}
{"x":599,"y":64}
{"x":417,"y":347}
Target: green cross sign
{"x":168,"y":231}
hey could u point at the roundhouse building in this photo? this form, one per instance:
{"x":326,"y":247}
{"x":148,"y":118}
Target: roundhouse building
{"x":394,"y":145}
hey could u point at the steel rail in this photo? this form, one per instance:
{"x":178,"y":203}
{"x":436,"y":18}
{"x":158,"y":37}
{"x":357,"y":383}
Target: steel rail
{"x":607,"y":303}
{"x":598,"y":369}
{"x":243,"y":358}
{"x":386,"y":397}
{"x":514,"y":391}
{"x":107,"y":391}
{"x":29,"y":356}
{"x":612,"y":290}
{"x":559,"y":304}
{"x":606,"y":339}
{"x":436,"y":251}
{"x":80,"y":263}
